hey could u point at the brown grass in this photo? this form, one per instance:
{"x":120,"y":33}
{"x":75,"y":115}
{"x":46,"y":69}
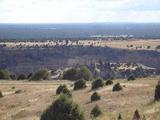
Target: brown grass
{"x":36,"y":96}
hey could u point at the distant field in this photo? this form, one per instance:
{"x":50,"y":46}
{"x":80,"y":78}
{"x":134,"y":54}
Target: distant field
{"x":137,"y":44}
{"x":36,"y":96}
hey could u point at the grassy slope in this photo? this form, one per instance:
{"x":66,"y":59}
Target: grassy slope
{"x":35,"y":97}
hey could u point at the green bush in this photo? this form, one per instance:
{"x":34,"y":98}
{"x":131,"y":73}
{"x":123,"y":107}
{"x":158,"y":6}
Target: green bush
{"x":1,"y":95}
{"x":119,"y":117}
{"x":136,"y":115}
{"x":84,"y":73}
{"x":70,"y":74}
{"x":117,"y":87}
{"x":22,"y":77}
{"x":96,"y":111}
{"x":41,"y":75}
{"x":130,"y":78}
{"x":60,"y":89}
{"x":13,"y":76}
{"x":63,"y":109}
{"x":76,"y":74}
{"x":95,"y":96}
{"x":18,"y":91}
{"x":4,"y":74}
{"x":80,"y":84}
{"x":109,"y":82}
{"x":67,"y":92}
{"x":97,"y":83}
{"x":157,"y":92}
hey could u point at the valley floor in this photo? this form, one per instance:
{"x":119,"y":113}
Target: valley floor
{"x":34,"y":97}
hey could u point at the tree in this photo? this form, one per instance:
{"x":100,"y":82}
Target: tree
{"x":119,"y":117}
{"x":22,"y":77}
{"x":41,"y":75}
{"x":95,"y":96}
{"x":60,"y":89}
{"x":130,"y":78}
{"x":117,"y":87}
{"x":157,"y":92}
{"x":67,"y":92}
{"x":84,"y":73}
{"x":136,"y":116}
{"x":97,"y":83}
{"x":13,"y":76}
{"x":63,"y":109}
{"x":1,"y":95}
{"x":80,"y":84}
{"x":96,"y":111}
{"x":4,"y":74}
{"x":109,"y":82}
{"x":70,"y":74}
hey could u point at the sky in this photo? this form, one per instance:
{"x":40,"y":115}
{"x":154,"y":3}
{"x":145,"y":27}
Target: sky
{"x":79,"y":11}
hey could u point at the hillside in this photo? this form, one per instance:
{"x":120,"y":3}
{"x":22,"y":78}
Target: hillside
{"x":25,"y":60}
{"x":34,"y":97}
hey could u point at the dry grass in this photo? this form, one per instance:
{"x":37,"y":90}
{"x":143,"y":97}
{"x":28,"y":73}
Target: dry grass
{"x":36,"y":96}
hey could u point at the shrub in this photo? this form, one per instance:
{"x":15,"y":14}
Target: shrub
{"x":4,"y":74}
{"x":136,"y":115}
{"x":41,"y":75}
{"x":95,"y":96}
{"x":67,"y":92}
{"x":80,"y":84}
{"x":97,"y":83}
{"x":29,"y":76}
{"x":21,"y":77}
{"x":157,"y":92}
{"x":13,"y":76}
{"x":60,"y":89}
{"x":119,"y":117}
{"x":117,"y":87}
{"x":18,"y":91}
{"x":70,"y":74}
{"x":96,"y":111}
{"x":130,"y":78}
{"x":63,"y":109}
{"x":84,"y":73}
{"x":109,"y":82}
{"x":1,"y":95}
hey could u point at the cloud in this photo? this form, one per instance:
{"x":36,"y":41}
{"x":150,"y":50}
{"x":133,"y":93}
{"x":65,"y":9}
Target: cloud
{"x":60,"y":11}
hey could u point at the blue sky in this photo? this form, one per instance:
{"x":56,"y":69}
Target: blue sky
{"x":79,"y":11}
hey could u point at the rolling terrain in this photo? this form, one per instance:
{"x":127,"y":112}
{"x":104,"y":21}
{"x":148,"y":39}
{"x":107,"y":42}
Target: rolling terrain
{"x":34,"y":97}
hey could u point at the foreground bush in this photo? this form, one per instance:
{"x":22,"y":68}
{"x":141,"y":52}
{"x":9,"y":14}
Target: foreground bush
{"x":63,"y":109}
{"x":4,"y":74}
{"x":80,"y":84}
{"x":41,"y":75}
{"x":117,"y":87}
{"x":95,"y":96}
{"x":96,"y":111}
{"x":109,"y":82}
{"x":130,"y":78}
{"x":66,"y":92}
{"x":1,"y":95}
{"x":60,"y":89}
{"x":97,"y":83}
{"x":157,"y":92}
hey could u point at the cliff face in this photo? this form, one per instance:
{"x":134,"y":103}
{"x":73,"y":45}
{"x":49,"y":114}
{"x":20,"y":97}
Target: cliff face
{"x":30,"y":59}
{"x":121,"y":70}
